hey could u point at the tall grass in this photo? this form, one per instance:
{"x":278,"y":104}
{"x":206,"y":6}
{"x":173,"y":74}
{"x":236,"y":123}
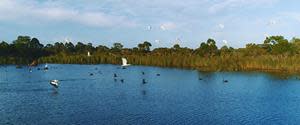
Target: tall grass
{"x":234,"y":62}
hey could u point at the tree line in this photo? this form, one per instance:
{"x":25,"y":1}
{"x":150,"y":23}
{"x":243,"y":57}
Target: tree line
{"x":274,"y":53}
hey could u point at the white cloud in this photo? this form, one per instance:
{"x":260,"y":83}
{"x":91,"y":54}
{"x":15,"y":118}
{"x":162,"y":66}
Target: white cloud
{"x":266,"y":35}
{"x":178,"y":41}
{"x":67,"y":40}
{"x":168,"y":26}
{"x":225,"y":42}
{"x":291,"y":15}
{"x":30,"y":10}
{"x":231,"y":4}
{"x":157,"y":41}
{"x":221,"y":26}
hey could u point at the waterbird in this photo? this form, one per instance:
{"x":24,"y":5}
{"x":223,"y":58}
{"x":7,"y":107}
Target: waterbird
{"x":200,"y":79}
{"x":144,"y":81}
{"x":115,"y":75}
{"x":157,"y":74}
{"x":46,"y":67}
{"x":122,"y":80}
{"x":91,"y":74}
{"x":54,"y":83}
{"x":224,"y":80}
{"x":124,"y":63}
{"x":88,"y":54}
{"x":143,"y":73}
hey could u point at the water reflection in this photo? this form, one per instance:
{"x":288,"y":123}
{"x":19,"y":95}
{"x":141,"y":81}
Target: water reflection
{"x":175,"y":97}
{"x":54,"y":92}
{"x":144,"y":92}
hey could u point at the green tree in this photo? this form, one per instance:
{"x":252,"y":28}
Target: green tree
{"x":141,"y":47}
{"x":102,"y":48}
{"x":296,"y":44}
{"x":254,"y":50}
{"x":147,"y":46}
{"x":117,"y":47}
{"x":4,"y":49}
{"x":34,"y":49}
{"x":279,"y":45}
{"x":207,"y":49}
{"x":70,"y":47}
{"x":80,"y":48}
{"x":176,"y":47}
{"x":20,"y":46}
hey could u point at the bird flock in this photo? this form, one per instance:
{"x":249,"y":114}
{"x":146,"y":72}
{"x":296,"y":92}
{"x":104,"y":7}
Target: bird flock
{"x":116,"y":77}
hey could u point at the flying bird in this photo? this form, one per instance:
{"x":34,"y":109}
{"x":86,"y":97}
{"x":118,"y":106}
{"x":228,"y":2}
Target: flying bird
{"x":124,"y":63}
{"x":149,"y":27}
{"x":272,"y":22}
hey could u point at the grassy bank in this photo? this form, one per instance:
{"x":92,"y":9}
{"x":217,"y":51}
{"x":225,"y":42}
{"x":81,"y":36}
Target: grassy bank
{"x":265,"y":63}
{"x":274,"y":54}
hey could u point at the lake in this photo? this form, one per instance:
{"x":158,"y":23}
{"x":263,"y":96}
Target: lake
{"x":174,"y":97}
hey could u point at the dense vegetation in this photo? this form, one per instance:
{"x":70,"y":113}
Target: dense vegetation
{"x":275,"y":54}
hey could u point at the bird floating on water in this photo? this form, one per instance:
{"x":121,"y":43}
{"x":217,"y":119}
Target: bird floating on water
{"x":144,"y":81}
{"x":54,"y":83}
{"x":46,"y":67}
{"x":157,"y":74}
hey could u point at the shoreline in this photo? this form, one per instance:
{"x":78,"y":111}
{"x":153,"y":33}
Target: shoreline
{"x":277,"y":72}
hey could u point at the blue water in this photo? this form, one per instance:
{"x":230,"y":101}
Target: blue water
{"x":175,"y":97}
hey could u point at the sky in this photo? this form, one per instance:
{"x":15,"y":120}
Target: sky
{"x":161,"y":22}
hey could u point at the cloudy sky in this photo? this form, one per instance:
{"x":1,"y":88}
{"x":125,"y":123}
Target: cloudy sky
{"x":162,"y":22}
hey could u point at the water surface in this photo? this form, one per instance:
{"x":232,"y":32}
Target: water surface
{"x":175,"y":97}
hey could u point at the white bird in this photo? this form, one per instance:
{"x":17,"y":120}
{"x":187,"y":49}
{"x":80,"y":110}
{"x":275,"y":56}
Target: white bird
{"x":54,"y":83}
{"x":124,"y":62}
{"x":46,"y":67}
{"x":272,"y":22}
{"x":88,"y":54}
{"x":149,"y":28}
